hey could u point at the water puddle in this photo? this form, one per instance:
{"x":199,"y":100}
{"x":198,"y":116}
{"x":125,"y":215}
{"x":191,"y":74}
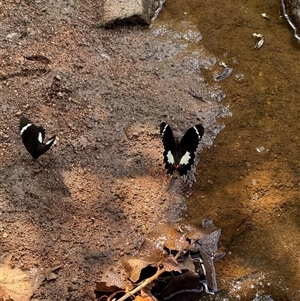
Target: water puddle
{"x":249,"y":173}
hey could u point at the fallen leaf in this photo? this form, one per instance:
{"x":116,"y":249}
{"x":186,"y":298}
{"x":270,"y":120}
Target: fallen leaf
{"x":187,"y":282}
{"x":146,"y":293}
{"x":101,"y":286}
{"x":175,"y":240}
{"x":14,"y":283}
{"x":208,"y":243}
{"x":207,"y":247}
{"x":137,"y":269}
{"x":145,"y":298}
{"x":170,"y":264}
{"x":187,"y":264}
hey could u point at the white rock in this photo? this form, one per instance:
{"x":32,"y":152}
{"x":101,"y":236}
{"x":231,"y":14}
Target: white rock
{"x":126,"y":11}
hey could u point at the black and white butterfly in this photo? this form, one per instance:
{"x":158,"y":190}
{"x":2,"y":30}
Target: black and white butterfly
{"x":180,"y":156}
{"x":33,"y":138}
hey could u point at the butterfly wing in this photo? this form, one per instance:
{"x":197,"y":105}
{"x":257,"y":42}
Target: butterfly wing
{"x":187,"y":147}
{"x":29,"y":133}
{"x":169,"y":146}
{"x":43,"y":147}
{"x":33,"y":138}
{"x":41,"y":136}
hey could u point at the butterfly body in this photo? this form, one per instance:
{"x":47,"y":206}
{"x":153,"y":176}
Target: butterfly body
{"x":180,"y":155}
{"x":33,"y":138}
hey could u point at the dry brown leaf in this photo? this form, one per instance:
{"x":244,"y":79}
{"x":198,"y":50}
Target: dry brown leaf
{"x":182,"y":283}
{"x":133,"y":267}
{"x":170,"y":264}
{"x":101,"y":286}
{"x":187,"y":264}
{"x":146,"y":298}
{"x":175,"y":240}
{"x":146,"y":293}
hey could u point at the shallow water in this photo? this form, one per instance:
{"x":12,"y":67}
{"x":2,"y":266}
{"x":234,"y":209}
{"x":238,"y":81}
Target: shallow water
{"x":248,"y":180}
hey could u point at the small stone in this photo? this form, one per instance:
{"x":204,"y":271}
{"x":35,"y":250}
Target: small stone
{"x":260,"y":149}
{"x":11,"y":36}
{"x":129,"y":11}
{"x":51,"y":276}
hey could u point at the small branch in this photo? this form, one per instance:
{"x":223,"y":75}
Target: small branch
{"x":148,"y":280}
{"x":141,"y":286}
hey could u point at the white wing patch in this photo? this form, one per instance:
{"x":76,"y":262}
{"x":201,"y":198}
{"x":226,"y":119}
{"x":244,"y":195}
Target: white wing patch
{"x":185,"y":159}
{"x":163,"y":131}
{"x":24,"y":128}
{"x":199,"y":137}
{"x":170,"y":157}
{"x":55,"y":141}
{"x":40,"y":137}
{"x":48,"y":142}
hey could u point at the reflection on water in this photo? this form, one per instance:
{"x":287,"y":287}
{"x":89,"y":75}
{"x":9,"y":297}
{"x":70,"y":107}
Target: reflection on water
{"x":248,"y":180}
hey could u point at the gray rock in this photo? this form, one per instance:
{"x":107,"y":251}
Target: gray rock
{"x":291,"y":10}
{"x":126,"y":11}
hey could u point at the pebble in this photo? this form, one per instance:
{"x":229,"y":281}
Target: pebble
{"x":11,"y":36}
{"x":58,"y":77}
{"x":260,"y":149}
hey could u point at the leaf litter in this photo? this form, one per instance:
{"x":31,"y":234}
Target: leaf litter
{"x":19,"y":285}
{"x":188,"y":271}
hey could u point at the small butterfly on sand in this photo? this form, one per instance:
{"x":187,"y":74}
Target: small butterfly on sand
{"x":33,"y":138}
{"x":180,"y":156}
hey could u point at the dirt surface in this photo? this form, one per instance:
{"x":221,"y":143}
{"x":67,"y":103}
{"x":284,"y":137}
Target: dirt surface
{"x":67,"y":219}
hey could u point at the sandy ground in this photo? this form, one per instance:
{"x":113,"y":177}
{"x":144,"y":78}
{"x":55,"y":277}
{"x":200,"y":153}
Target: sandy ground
{"x":92,"y":198}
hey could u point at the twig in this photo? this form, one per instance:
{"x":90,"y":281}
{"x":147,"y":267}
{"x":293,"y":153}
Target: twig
{"x":161,"y":269}
{"x":145,"y":283}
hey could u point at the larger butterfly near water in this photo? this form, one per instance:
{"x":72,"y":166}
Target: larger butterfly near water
{"x":33,"y":138}
{"x":180,"y":156}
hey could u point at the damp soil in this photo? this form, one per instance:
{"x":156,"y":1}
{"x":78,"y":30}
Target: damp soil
{"x":248,"y":181}
{"x":67,"y":219}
